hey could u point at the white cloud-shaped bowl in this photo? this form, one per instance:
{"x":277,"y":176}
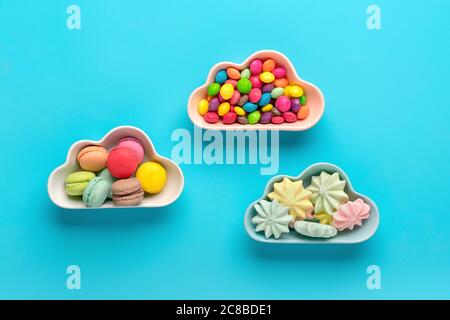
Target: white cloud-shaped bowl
{"x":172,"y":190}
{"x":315,"y":99}
{"x":357,"y":235}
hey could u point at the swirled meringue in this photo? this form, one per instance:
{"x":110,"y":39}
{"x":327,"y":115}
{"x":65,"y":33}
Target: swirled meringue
{"x":272,"y":217}
{"x":292,"y":194}
{"x":327,"y":192}
{"x":350,"y":214}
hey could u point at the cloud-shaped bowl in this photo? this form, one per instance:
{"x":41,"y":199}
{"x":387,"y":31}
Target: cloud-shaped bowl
{"x":173,"y":188}
{"x":358,"y":234}
{"x":315,"y":97}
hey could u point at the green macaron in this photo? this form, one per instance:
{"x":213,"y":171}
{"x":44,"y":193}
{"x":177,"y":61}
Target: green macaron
{"x":96,"y":192}
{"x":105,"y":174}
{"x":76,"y":182}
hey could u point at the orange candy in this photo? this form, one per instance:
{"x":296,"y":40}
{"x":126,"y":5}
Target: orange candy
{"x":269,"y":65}
{"x":283,"y":82}
{"x":233,"y":73}
{"x":303,"y":113}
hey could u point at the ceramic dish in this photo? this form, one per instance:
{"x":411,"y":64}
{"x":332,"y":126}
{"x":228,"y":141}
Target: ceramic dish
{"x":169,"y":194}
{"x":315,"y":97}
{"x":359,"y":234}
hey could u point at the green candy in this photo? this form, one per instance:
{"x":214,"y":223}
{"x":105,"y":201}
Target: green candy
{"x":303,"y":100}
{"x":245,"y":73}
{"x":254,"y":117}
{"x":213,"y":89}
{"x":277,"y":92}
{"x":244,"y":85}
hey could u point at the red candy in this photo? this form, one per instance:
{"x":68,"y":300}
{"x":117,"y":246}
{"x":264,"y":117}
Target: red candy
{"x":277,"y":120}
{"x":255,"y":95}
{"x":256,"y":82}
{"x":235,"y":97}
{"x":279,"y":72}
{"x":290,"y":116}
{"x":256,"y":67}
{"x":211,"y":117}
{"x":231,"y":117}
{"x":283,"y":103}
{"x":233,"y":82}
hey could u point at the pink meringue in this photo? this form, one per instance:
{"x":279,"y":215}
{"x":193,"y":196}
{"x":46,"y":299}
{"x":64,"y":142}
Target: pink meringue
{"x":350,"y":214}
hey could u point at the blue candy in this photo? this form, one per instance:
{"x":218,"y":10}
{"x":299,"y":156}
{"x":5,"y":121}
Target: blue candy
{"x":221,"y":77}
{"x":265,"y":99}
{"x":250,"y":107}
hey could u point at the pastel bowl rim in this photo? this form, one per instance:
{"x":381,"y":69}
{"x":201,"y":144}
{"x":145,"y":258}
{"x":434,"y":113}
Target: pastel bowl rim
{"x":249,"y":228}
{"x":75,"y":144}
{"x":281,"y":127}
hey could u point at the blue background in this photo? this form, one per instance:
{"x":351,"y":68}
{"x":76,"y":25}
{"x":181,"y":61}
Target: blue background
{"x":386,"y":123}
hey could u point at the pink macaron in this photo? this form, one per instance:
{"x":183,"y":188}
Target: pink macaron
{"x":135,"y":145}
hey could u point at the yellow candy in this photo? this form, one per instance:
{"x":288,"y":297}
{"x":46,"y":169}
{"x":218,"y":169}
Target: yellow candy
{"x":224,"y":108}
{"x":267,"y":108}
{"x":324,"y":218}
{"x":203,"y":106}
{"x":227,"y":91}
{"x":286,"y":91}
{"x":295,"y":91}
{"x":267,"y":77}
{"x":239,"y":111}
{"x":152,"y":177}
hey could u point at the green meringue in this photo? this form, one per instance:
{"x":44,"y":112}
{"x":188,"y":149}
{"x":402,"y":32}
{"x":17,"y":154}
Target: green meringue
{"x":272,"y":217}
{"x":327,"y":192}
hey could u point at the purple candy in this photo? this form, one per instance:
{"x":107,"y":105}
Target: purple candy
{"x":266,"y":117}
{"x":242,"y":120}
{"x":275,"y":111}
{"x":242,"y":100}
{"x":214,"y":104}
{"x":267,"y":88}
{"x":295,"y":105}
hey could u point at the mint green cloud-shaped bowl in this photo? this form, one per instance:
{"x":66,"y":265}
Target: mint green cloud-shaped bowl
{"x":357,"y":235}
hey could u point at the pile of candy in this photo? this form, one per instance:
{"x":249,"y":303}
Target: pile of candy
{"x":122,"y":175}
{"x":260,"y":93}
{"x":320,"y":210}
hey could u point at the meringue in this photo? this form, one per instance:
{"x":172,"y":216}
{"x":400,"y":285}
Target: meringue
{"x":316,"y":230}
{"x":327,"y":192}
{"x":272,"y":217}
{"x":324,"y":218}
{"x":350,"y":214}
{"x":293,"y":195}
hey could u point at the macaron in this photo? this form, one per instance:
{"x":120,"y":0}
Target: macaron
{"x":152,"y":176}
{"x":96,"y":192}
{"x":76,"y":182}
{"x":135,"y":145}
{"x":92,"y":158}
{"x":127,"y":192}
{"x":105,"y":174}
{"x":122,"y":162}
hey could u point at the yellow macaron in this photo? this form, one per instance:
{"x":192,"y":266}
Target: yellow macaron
{"x":152,"y":176}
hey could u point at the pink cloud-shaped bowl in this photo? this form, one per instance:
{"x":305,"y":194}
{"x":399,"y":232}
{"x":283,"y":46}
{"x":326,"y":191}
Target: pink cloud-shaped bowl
{"x":316,"y":101}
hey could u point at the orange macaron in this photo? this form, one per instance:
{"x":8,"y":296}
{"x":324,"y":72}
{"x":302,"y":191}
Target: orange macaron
{"x":92,"y":158}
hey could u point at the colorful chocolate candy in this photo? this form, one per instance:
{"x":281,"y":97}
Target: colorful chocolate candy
{"x":259,"y":93}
